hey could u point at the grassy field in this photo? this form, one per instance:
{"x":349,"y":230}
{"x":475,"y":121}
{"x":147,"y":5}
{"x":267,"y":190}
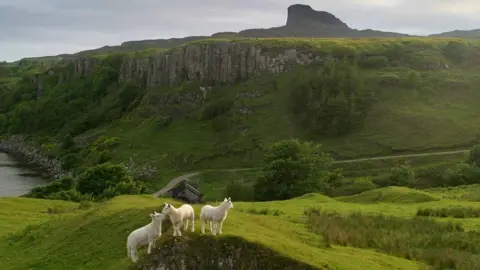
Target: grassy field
{"x":43,"y":234}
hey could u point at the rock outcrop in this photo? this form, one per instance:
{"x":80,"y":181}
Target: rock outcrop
{"x":300,"y":16}
{"x":210,"y":64}
{"x":206,"y":252}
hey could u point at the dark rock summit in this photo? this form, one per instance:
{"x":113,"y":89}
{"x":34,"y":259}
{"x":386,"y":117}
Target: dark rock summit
{"x":303,"y":15}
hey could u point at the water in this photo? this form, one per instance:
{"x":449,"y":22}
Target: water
{"x":16,"y":179}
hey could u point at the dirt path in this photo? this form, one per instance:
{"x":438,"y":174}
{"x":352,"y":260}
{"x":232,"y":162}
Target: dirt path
{"x":181,"y":178}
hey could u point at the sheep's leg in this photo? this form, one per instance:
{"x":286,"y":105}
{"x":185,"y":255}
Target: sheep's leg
{"x":193,"y":224}
{"x":174,"y":229}
{"x":214,"y":232}
{"x":221,"y":225}
{"x":149,"y":250}
{"x":133,"y":254}
{"x":202,"y":222}
{"x":179,"y":233}
{"x":185,"y":225}
{"x":211,"y":228}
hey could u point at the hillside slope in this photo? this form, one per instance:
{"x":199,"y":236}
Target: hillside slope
{"x":217,"y":104}
{"x":45,"y":234}
{"x":95,"y":238}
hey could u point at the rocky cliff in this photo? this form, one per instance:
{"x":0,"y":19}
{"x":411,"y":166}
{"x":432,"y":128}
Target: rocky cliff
{"x":210,"y":64}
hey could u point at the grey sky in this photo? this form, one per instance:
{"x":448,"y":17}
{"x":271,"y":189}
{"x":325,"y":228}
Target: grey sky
{"x":48,"y":27}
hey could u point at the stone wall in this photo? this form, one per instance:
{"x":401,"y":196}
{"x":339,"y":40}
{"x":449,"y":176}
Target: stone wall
{"x":207,"y":252}
{"x":17,"y":146}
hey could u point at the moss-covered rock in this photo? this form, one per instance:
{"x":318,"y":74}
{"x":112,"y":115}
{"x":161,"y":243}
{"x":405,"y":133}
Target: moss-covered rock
{"x":207,"y":252}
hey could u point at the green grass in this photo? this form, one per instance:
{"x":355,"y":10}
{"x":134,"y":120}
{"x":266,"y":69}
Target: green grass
{"x":77,"y":237}
{"x":390,"y":195}
{"x":213,"y":183}
{"x":463,"y":193}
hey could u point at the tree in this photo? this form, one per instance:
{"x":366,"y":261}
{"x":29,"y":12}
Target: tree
{"x":474,"y":156}
{"x":98,"y":179}
{"x":292,"y":168}
{"x":402,"y":175}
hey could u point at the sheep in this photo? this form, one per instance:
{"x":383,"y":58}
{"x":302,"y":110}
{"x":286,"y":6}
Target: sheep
{"x":146,"y":234}
{"x":178,"y":216}
{"x":216,"y":215}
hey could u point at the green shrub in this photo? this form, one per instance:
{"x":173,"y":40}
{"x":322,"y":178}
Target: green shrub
{"x":459,"y":174}
{"x":292,"y":168}
{"x":99,"y":178}
{"x":42,"y":192}
{"x":132,"y":187}
{"x":217,"y":108}
{"x":239,"y":191}
{"x":455,"y":212}
{"x":402,"y":175}
{"x":374,"y":62}
{"x":70,"y":161}
{"x":70,"y":195}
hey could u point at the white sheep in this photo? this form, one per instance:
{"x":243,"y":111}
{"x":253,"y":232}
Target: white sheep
{"x":216,"y":215}
{"x":146,"y":234}
{"x":178,"y":216}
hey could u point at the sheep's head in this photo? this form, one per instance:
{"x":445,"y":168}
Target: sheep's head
{"x":166,"y":209}
{"x":228,"y":202}
{"x":157,"y":216}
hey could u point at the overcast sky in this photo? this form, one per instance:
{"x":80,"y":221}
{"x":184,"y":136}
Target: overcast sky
{"x":49,"y":27}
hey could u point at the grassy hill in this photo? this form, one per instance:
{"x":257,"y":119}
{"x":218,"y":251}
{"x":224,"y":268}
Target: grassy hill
{"x":409,"y":95}
{"x":46,"y":234}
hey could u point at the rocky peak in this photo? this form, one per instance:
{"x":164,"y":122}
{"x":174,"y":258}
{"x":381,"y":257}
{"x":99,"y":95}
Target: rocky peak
{"x":303,"y":15}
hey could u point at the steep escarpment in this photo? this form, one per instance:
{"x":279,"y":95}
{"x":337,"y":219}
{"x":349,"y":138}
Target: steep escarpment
{"x":206,"y":252}
{"x":227,"y":62}
{"x":211,"y":63}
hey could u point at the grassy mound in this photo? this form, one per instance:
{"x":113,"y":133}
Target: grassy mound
{"x":207,"y":252}
{"x":390,"y":195}
{"x":74,"y":237}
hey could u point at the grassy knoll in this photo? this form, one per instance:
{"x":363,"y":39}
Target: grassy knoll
{"x":44,"y":234}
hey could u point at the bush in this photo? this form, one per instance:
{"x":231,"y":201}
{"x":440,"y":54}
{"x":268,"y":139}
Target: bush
{"x":292,"y":168}
{"x":217,"y":108}
{"x":459,"y":174}
{"x":455,"y":51}
{"x":474,"y":156}
{"x":99,"y":178}
{"x":69,"y":161}
{"x":455,"y":212}
{"x":239,"y":191}
{"x":374,"y":62}
{"x":122,"y":188}
{"x":42,"y":192}
{"x":402,"y":175}
{"x":70,"y":195}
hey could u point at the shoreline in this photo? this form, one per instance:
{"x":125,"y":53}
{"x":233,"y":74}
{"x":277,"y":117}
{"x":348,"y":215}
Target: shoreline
{"x":18,"y":148}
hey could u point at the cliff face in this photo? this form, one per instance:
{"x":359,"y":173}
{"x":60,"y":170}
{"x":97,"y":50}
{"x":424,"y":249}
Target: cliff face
{"x":217,"y":63}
